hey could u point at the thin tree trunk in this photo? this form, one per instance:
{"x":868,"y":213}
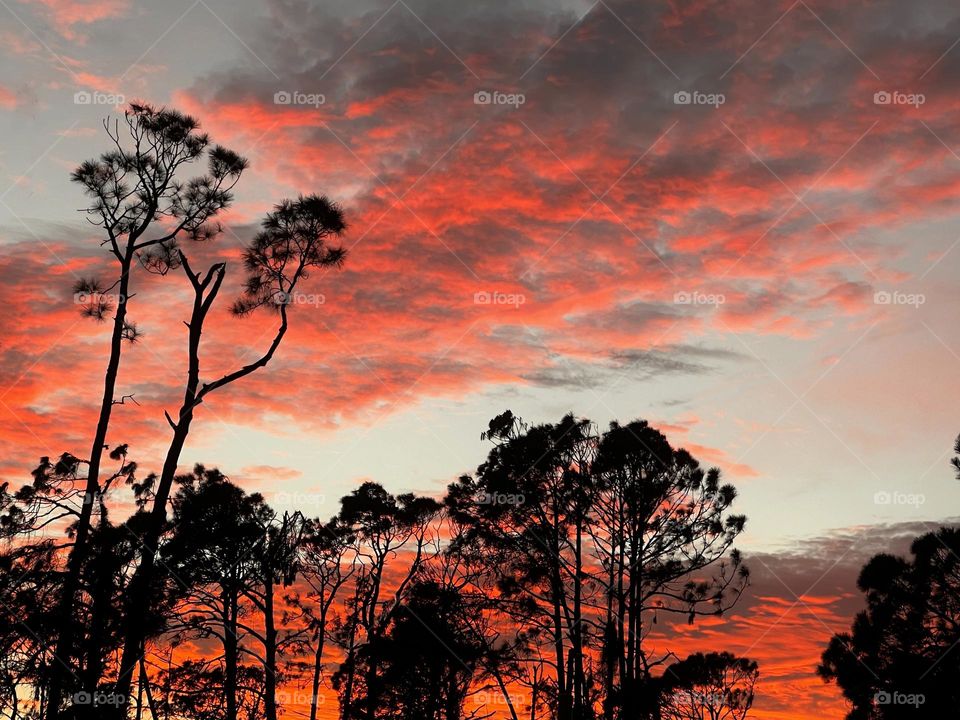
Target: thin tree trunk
{"x":205,"y":292}
{"x":270,"y":649}
{"x":318,"y":662}
{"x":230,"y":652}
{"x":140,"y":695}
{"x":506,"y":694}
{"x":146,"y":686}
{"x":100,"y":607}
{"x":347,"y":709}
{"x":577,"y":649}
{"x":139,"y":590}
{"x":563,"y":699}
{"x":373,"y":691}
{"x":71,"y":584}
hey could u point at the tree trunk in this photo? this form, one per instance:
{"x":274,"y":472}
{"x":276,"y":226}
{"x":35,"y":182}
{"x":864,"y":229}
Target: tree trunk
{"x":506,"y":694}
{"x":101,"y":591}
{"x":347,"y":709}
{"x":270,"y":649}
{"x":139,"y":713}
{"x":60,"y":668}
{"x":139,"y":590}
{"x":318,"y":663}
{"x":563,"y":689}
{"x":145,"y":680}
{"x":230,"y":652}
{"x":563,"y":697}
{"x":373,"y":692}
{"x":578,"y":679}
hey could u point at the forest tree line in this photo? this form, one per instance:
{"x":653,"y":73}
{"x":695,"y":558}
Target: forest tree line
{"x":532,"y":603}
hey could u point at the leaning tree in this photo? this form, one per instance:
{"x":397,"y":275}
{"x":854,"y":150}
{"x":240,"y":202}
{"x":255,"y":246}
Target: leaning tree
{"x":295,"y":239}
{"x":143,"y":203}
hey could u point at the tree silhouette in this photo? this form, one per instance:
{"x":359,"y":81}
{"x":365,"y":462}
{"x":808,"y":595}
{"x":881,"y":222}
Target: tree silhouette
{"x":278,"y":565}
{"x":439,"y":611}
{"x":28,"y":599}
{"x":293,"y":241}
{"x":194,"y":691}
{"x":226,"y":555}
{"x":505,"y":651}
{"x":590,"y":536}
{"x":712,"y":686}
{"x":142,"y":206}
{"x":211,"y":550}
{"x":900,"y":658}
{"x":384,"y":526}
{"x":663,"y":536}
{"x":527,"y":507}
{"x":428,"y":656}
{"x":50,"y":500}
{"x":328,"y":560}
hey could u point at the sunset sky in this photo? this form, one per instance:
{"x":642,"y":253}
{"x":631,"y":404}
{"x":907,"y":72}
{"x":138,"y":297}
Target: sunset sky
{"x":540,"y":221}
